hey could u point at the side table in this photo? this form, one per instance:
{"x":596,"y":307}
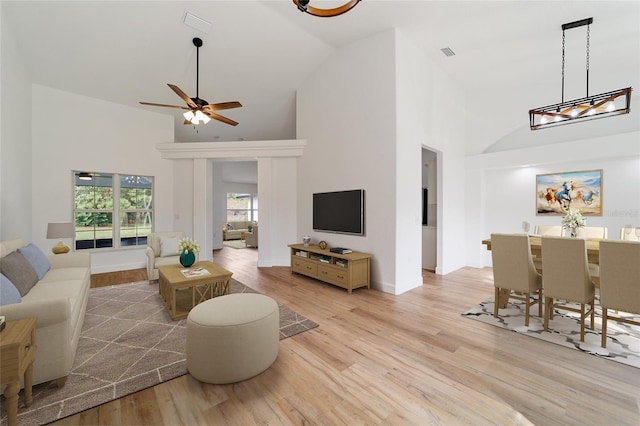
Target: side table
{"x":17,"y":354}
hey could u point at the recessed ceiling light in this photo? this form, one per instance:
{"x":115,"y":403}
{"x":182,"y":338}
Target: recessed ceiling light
{"x":447,"y":51}
{"x":196,"y":23}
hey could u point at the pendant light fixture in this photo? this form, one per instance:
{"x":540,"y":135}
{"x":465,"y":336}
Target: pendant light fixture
{"x":303,"y":6}
{"x":588,"y":108}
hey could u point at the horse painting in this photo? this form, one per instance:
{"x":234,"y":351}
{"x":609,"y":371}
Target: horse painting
{"x":557,"y":192}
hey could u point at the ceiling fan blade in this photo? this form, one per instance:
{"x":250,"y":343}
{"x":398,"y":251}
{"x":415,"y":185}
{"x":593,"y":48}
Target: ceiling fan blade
{"x":220,"y":118}
{"x":164,"y":105}
{"x":183,"y":95}
{"x":222,"y":105}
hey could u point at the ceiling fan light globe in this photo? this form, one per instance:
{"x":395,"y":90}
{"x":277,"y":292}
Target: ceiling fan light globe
{"x":188,"y":115}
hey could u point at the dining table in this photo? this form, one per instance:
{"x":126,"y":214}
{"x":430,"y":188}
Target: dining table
{"x":535,"y":241}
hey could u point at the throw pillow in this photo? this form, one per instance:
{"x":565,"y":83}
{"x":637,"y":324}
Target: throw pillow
{"x":9,"y":294}
{"x":169,"y":246}
{"x":36,"y":258}
{"x":19,"y":271}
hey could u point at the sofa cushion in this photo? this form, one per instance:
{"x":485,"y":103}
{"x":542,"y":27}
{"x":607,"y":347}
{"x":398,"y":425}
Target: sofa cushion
{"x":19,"y":271}
{"x":9,"y":294}
{"x":36,"y":258}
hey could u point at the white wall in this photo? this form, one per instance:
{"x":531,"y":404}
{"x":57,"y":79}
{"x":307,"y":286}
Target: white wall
{"x":15,"y":141}
{"x":72,"y":132}
{"x":503,"y":186}
{"x":346,"y":111}
{"x":431,"y":113}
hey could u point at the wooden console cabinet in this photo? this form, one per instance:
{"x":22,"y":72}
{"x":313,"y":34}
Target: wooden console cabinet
{"x":348,"y":271}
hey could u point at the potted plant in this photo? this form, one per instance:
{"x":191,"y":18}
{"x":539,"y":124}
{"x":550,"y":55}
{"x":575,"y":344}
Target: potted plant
{"x":250,"y":226}
{"x":573,"y":220}
{"x":187,"y":249}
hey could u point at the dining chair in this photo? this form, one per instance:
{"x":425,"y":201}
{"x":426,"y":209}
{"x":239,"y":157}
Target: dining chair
{"x":619,"y":281}
{"x":513,"y":272}
{"x":548,"y":230}
{"x":630,"y":234}
{"x":567,"y":279}
{"x":592,"y":232}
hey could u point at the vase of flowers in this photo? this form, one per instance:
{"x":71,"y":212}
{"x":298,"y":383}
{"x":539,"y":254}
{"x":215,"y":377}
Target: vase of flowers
{"x":187,"y":249}
{"x":572,"y":221}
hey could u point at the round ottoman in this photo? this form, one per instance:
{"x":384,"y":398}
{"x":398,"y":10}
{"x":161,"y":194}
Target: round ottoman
{"x":232,"y":338}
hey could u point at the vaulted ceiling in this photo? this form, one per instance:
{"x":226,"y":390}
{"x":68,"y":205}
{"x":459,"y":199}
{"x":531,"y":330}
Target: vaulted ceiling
{"x":260,"y":52}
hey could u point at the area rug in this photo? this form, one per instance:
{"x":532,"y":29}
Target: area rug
{"x":623,"y":340}
{"x":236,"y":244}
{"x":128,"y":343}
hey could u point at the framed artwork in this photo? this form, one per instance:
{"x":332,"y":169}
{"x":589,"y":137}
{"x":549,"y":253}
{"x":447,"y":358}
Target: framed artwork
{"x":557,"y":192}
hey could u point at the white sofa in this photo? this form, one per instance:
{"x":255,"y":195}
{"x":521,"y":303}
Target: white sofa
{"x":58,"y":301}
{"x":234,"y":230}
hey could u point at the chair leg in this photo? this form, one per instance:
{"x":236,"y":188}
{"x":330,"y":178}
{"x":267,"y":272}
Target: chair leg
{"x":527,"y":308}
{"x":540,"y":303}
{"x":593,"y":314}
{"x":583,"y":316}
{"x":604,"y":327}
{"x":496,"y":302}
{"x":548,"y":308}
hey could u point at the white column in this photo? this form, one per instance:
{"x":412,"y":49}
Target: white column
{"x":203,"y":206}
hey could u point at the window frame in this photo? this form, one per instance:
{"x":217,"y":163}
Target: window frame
{"x":116,"y":211}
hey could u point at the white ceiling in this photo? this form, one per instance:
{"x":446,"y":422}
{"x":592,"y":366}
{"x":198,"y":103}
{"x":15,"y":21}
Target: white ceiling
{"x":259,"y":52}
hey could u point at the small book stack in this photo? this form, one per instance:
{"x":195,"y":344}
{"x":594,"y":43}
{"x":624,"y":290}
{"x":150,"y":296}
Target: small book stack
{"x":340,"y":250}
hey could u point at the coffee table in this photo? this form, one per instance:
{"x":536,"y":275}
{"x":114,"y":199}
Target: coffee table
{"x":183,"y":288}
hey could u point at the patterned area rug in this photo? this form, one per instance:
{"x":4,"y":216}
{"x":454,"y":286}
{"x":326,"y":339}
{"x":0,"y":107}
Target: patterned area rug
{"x":128,"y":343}
{"x":623,"y":340}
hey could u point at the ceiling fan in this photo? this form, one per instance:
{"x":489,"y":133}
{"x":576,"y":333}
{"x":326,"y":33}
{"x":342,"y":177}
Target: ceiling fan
{"x":199,"y":109}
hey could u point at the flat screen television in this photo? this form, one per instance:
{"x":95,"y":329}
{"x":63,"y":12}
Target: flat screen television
{"x":340,"y":212}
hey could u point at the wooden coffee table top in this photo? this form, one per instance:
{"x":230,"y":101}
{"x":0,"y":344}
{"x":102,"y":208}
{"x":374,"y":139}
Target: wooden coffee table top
{"x":173,"y":273}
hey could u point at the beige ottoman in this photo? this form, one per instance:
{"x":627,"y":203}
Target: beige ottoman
{"x":232,"y":338}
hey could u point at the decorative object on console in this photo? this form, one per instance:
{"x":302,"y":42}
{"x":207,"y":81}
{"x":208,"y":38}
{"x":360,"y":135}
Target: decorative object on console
{"x":60,"y":230}
{"x":306,"y":240}
{"x":587,"y":108}
{"x":303,"y":6}
{"x":187,"y":248}
{"x":323,"y":245}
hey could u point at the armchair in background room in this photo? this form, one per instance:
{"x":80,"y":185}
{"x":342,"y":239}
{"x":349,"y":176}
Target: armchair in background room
{"x":251,"y":237}
{"x":162,"y":250}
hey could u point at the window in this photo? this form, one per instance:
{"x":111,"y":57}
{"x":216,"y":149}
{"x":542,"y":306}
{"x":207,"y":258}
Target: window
{"x":95,"y":210}
{"x":242,"y":207}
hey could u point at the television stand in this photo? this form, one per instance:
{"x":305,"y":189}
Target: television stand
{"x":349,"y":271}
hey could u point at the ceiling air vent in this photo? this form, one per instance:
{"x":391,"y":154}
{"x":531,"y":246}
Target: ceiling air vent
{"x":447,"y":51}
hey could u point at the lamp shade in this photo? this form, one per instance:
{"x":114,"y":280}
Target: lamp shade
{"x":61,"y":230}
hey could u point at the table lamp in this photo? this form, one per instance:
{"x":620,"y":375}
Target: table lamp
{"x":60,"y":230}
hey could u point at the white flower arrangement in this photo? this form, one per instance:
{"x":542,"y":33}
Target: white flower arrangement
{"x":573,"y":220}
{"x":187,"y":245}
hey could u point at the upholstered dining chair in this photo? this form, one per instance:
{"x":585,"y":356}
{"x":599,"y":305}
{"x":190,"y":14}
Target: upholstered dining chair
{"x":567,"y":278}
{"x":548,"y":230}
{"x":592,"y":232}
{"x":513,"y":272}
{"x":619,"y":281}
{"x":630,"y":233}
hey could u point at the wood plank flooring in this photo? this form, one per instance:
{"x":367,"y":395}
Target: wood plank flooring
{"x":394,"y":360}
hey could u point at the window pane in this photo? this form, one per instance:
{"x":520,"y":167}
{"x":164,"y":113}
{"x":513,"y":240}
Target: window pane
{"x":135,"y":192}
{"x":134,"y":228}
{"x":94,"y":230}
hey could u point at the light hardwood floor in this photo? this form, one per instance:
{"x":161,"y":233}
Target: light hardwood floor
{"x":394,"y":360}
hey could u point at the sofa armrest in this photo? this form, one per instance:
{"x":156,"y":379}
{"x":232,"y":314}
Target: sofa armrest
{"x":74,"y":259}
{"x":48,"y":312}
